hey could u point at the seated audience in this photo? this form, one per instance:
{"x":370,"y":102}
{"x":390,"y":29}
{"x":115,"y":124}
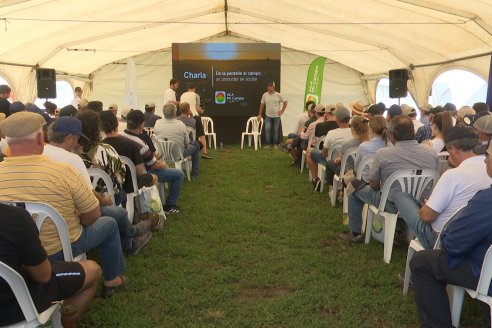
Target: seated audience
{"x":376,"y":109}
{"x":186,"y":116}
{"x":293,"y":141}
{"x":463,"y":112}
{"x":405,"y":154}
{"x":171,"y":129}
{"x":17,"y":106}
{"x":4,"y":96}
{"x":359,"y":128}
{"x":63,"y":137}
{"x":393,"y":111}
{"x":51,"y":109}
{"x":459,"y":260}
{"x":95,"y":105}
{"x":68,"y":110}
{"x":425,"y":131}
{"x":453,"y":190}
{"x":64,"y":189}
{"x":378,"y":139}
{"x":412,"y":113}
{"x":424,"y":114}
{"x":484,"y":127}
{"x":150,"y":116}
{"x":74,"y":282}
{"x":441,"y":124}
{"x":329,"y":124}
{"x":333,"y":140}
{"x":165,"y":174}
{"x":480,"y":107}
{"x":358,"y":108}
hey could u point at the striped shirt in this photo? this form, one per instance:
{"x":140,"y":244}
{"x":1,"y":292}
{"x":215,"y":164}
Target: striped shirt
{"x":38,"y":179}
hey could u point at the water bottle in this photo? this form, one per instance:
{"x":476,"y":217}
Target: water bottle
{"x":221,"y":145}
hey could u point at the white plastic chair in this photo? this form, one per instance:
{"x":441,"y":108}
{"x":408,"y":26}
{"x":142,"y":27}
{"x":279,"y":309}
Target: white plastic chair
{"x":481,"y":293}
{"x":442,"y":162}
{"x":304,"y":152}
{"x":149,"y":131}
{"x":253,"y":131}
{"x":130,"y":197}
{"x":191,"y":132}
{"x":322,"y":169}
{"x":413,"y":182}
{"x":365,"y":162}
{"x":170,"y":153}
{"x":97,"y":174}
{"x":208,"y":128}
{"x":337,"y":179}
{"x":21,"y":292}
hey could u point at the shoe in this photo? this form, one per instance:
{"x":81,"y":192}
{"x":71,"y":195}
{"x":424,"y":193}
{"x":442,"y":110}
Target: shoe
{"x":296,"y":164}
{"x":401,"y":279}
{"x":285,"y":149}
{"x":142,"y":227}
{"x":349,"y":237}
{"x":317,"y":184}
{"x":138,"y":243}
{"x":107,"y":292}
{"x":205,"y":156}
{"x":171,"y":209}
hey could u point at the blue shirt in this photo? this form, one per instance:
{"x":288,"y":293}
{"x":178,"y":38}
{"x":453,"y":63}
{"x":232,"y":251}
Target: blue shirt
{"x":469,"y":235}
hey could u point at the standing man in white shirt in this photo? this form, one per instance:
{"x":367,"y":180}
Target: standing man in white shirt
{"x":170,"y":93}
{"x":77,"y":97}
{"x":275,"y":105}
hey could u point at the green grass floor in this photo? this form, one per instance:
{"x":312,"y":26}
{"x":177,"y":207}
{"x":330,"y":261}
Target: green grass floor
{"x":254,"y":246}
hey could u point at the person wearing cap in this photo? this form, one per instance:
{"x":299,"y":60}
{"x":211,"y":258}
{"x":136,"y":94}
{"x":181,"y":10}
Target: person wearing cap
{"x":462,"y":112}
{"x":68,"y":110}
{"x":484,"y":127}
{"x":4,"y":102}
{"x":425,"y":131}
{"x":149,"y":115}
{"x":173,"y":129}
{"x":165,"y":174}
{"x":329,"y":124}
{"x":453,"y":190}
{"x":334,"y":139}
{"x":51,"y":109}
{"x":77,"y":97}
{"x":63,"y":188}
{"x":424,"y":114}
{"x":481,"y":107}
{"x":393,"y":111}
{"x":273,"y":104}
{"x":17,"y":106}
{"x":406,"y":154}
{"x":113,"y":108}
{"x":358,"y":108}
{"x":293,"y":143}
{"x":412,"y":113}
{"x":463,"y":245}
{"x":63,"y":137}
{"x":376,"y":109}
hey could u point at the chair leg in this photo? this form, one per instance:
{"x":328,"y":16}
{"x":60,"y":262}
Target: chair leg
{"x":389,"y":235}
{"x":406,"y":281}
{"x":242,"y":140}
{"x":456,"y":295}
{"x":334,"y":192}
{"x":303,"y":160}
{"x":215,"y":141}
{"x":255,"y":140}
{"x":370,"y":219}
{"x":345,"y":202}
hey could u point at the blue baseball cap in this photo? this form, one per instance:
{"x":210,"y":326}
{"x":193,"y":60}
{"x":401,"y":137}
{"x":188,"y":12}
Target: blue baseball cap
{"x":69,"y":125}
{"x":394,"y":110}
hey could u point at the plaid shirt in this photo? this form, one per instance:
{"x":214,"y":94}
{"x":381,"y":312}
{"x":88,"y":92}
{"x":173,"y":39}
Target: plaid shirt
{"x":423,"y":133}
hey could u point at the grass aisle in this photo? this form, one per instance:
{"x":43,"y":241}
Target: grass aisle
{"x":254,"y":246}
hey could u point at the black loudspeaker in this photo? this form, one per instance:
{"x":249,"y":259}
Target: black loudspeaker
{"x":46,"y":79}
{"x":398,"y":83}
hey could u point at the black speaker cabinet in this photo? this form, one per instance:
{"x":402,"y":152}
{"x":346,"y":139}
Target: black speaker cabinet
{"x":46,"y":80}
{"x":398,"y":83}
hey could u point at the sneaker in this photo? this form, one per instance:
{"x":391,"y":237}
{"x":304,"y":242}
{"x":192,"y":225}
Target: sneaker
{"x":205,"y":156}
{"x":317,"y":184}
{"x":349,"y":237}
{"x":138,"y":243}
{"x":142,"y":227}
{"x":171,"y":209}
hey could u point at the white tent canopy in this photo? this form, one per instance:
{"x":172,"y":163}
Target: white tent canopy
{"x":370,"y":37}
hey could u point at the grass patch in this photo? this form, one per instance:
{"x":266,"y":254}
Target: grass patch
{"x":254,"y":246}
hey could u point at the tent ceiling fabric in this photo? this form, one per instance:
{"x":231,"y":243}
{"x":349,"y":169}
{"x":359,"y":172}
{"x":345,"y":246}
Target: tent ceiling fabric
{"x":370,"y":36}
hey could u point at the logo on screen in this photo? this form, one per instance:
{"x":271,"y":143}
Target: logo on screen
{"x":311,"y":97}
{"x":220,"y":97}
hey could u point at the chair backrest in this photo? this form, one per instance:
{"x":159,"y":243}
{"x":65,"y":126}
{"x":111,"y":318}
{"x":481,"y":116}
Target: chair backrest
{"x":253,"y":125}
{"x":97,"y":174}
{"x":169,"y":151}
{"x":365,"y":162}
{"x":413,"y":182}
{"x":133,"y":171}
{"x":442,"y":162}
{"x":332,"y":151}
{"x":191,"y":132}
{"x":260,"y":125}
{"x":149,"y":131}
{"x":319,"y":143}
{"x":485,"y":275}
{"x":208,"y":124}
{"x":349,"y":154}
{"x":21,"y":292}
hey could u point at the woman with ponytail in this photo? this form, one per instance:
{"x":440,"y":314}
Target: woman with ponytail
{"x":441,"y":123}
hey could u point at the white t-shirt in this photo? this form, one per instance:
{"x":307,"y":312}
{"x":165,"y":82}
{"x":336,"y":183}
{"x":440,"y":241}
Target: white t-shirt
{"x":456,"y":187}
{"x":191,"y":98}
{"x":301,"y":120}
{"x":437,"y":144}
{"x":335,"y":138}
{"x":273,"y":103}
{"x":58,"y":154}
{"x":169,"y":95}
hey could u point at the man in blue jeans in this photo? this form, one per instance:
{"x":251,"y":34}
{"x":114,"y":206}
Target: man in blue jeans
{"x":453,"y":189}
{"x":274,"y":105}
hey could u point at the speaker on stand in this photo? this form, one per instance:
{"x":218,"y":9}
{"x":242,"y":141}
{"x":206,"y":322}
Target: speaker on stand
{"x":398,"y":83}
{"x":46,"y":82}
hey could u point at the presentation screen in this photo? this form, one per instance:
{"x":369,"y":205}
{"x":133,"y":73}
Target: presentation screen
{"x":229,"y":77}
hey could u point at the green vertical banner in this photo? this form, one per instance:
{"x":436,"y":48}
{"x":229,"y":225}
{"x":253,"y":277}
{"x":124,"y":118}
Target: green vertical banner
{"x":314,"y":80}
